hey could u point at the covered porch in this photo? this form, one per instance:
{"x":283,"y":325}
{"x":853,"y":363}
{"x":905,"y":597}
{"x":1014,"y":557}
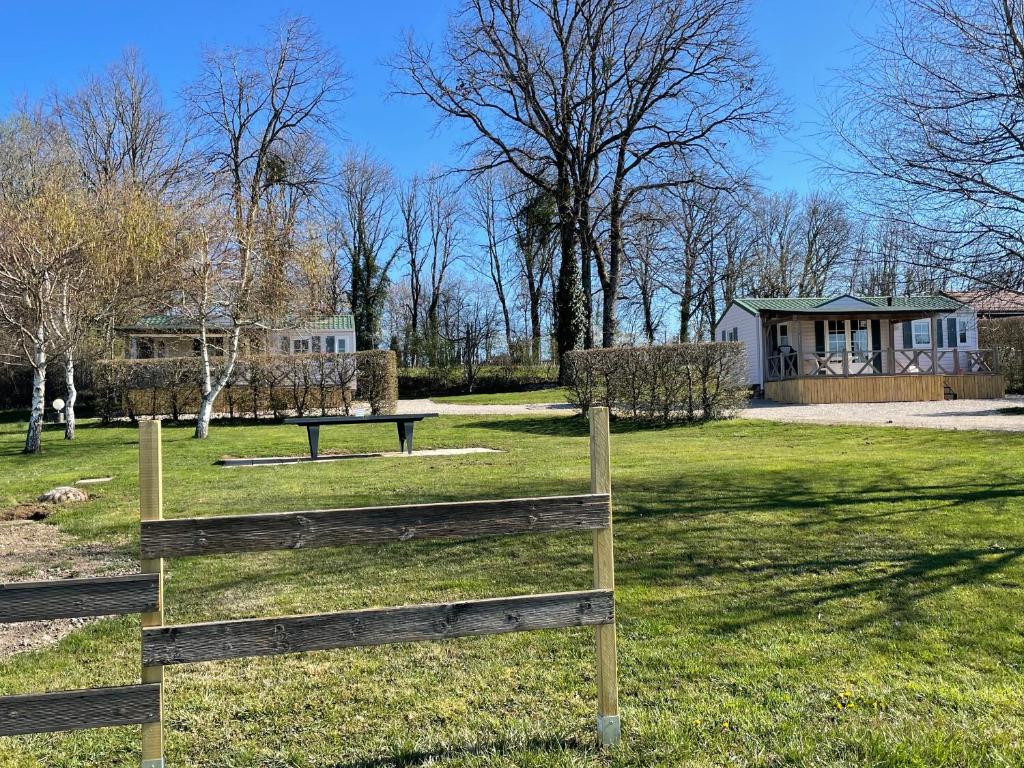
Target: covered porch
{"x":879,"y":355}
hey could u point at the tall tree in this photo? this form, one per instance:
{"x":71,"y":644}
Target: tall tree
{"x":511,"y":71}
{"x":263,"y":113}
{"x":488,"y":199}
{"x":47,"y":228}
{"x":932,"y":114}
{"x":536,"y":240}
{"x":366,"y":197}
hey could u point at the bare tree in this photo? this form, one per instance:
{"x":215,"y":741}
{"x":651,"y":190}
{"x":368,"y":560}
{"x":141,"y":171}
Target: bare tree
{"x":263,"y":112}
{"x":444,"y":207}
{"x":411,"y":209}
{"x":933,"y":116}
{"x":673,"y":84}
{"x":121,"y":131}
{"x":511,"y":71}
{"x":488,"y":198}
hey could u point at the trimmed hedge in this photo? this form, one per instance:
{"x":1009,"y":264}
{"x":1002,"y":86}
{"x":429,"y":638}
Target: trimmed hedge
{"x":259,"y":384}
{"x":438,"y":381}
{"x":1006,"y":336}
{"x":671,"y":382}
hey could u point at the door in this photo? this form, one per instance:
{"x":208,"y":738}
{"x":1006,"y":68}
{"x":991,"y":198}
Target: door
{"x":860,"y":340}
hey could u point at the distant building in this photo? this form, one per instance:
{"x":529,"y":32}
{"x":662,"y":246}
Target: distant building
{"x":172,"y":336}
{"x":992,"y":304}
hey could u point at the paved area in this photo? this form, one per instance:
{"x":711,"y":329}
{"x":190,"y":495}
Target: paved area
{"x":944,"y":414}
{"x":275,"y":460}
{"x":453,"y":409}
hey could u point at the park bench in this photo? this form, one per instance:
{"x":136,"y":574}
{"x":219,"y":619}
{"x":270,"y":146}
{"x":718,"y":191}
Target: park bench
{"x":404,"y":421}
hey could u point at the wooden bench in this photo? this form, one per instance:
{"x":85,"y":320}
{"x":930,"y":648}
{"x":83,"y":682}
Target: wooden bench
{"x":404,"y":421}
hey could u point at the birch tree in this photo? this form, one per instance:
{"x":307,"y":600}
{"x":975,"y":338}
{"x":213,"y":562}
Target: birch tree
{"x":47,"y":227}
{"x":263,"y":114}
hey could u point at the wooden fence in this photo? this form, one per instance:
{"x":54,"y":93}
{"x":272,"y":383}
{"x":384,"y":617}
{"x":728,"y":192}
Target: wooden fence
{"x":166,"y":645}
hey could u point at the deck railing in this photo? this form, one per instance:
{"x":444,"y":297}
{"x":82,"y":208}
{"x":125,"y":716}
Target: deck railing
{"x":887,"y":362}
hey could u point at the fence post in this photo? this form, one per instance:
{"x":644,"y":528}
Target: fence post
{"x":151,"y":506}
{"x":608,"y":728}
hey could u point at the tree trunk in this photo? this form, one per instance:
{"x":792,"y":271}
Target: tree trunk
{"x":203,"y":418}
{"x":612,"y":275}
{"x":535,"y":330}
{"x":569,"y":290}
{"x":71,"y":397}
{"x":33,"y":439}
{"x":212,"y":387}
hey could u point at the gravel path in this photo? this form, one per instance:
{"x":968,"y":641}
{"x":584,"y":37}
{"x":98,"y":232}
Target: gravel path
{"x":39,"y":552}
{"x":943,"y":414}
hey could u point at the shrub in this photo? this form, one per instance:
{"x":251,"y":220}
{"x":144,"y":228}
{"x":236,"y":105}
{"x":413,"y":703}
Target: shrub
{"x":258,"y":384}
{"x":377,"y":376}
{"x":699,"y":381}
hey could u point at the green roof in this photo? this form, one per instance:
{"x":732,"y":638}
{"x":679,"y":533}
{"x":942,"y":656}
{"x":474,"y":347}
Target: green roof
{"x":332,"y":323}
{"x":171,"y":323}
{"x":819,"y":304}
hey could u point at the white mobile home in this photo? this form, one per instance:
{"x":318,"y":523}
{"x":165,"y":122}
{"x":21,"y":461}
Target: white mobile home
{"x":861,"y":349}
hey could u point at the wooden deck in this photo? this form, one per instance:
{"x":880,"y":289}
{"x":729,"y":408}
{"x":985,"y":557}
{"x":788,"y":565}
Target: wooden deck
{"x":883,"y":389}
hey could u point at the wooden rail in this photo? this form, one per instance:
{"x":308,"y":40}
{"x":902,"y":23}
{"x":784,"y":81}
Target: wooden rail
{"x":372,"y":525}
{"x":74,"y":598}
{"x":212,"y":641}
{"x":75,"y":710}
{"x":164,"y":646}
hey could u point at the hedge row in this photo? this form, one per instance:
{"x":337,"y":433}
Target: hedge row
{"x":429,"y":382}
{"x":275,"y":384}
{"x":695,"y":382}
{"x":1006,"y":336}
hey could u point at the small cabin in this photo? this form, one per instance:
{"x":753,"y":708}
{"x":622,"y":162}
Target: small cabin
{"x":170,"y":336}
{"x":861,"y":349}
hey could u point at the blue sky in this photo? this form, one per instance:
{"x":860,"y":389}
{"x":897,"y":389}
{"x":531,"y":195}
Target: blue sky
{"x":54,"y":44}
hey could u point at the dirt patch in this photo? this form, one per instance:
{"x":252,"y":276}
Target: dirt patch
{"x":32,"y":551}
{"x":26,"y":512}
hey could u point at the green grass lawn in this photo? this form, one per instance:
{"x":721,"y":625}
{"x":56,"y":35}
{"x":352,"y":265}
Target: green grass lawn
{"x":553,"y":395}
{"x":787,"y":596}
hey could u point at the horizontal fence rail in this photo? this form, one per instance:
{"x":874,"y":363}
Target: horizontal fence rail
{"x":75,"y":710}
{"x":212,"y":641}
{"x":373,"y":525}
{"x":75,"y":598}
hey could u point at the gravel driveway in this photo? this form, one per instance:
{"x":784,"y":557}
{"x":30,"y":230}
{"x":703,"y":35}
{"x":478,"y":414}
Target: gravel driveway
{"x":942,"y":414}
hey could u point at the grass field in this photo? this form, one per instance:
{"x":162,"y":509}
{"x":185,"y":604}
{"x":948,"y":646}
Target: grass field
{"x":787,"y":595}
{"x":553,"y":395}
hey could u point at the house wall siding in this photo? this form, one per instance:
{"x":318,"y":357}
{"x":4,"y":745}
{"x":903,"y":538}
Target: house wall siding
{"x":747,"y":327}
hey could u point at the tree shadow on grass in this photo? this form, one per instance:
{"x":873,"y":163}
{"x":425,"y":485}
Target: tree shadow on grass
{"x":500,"y":747}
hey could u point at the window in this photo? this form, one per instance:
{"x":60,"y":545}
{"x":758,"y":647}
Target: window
{"x":329,"y":341}
{"x":300,"y":346}
{"x":961,"y":325}
{"x":922,"y":332}
{"x":342,"y":344}
{"x":836,"y":336}
{"x":144,"y":348}
{"x":784,"y":335}
{"x":284,"y":345}
{"x":316,"y":343}
{"x":734,"y":335}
